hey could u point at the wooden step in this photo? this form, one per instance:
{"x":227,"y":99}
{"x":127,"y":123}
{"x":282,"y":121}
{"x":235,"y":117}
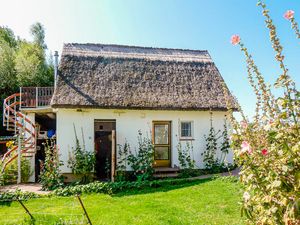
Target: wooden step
{"x":165,"y":169}
{"x":166,"y":175}
{"x":165,"y":172}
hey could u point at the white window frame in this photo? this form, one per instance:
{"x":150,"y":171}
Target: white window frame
{"x":192,"y":129}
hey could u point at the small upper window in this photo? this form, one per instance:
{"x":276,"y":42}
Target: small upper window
{"x":186,"y":129}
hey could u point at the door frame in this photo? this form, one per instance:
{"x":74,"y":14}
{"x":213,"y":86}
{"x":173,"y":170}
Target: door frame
{"x":164,"y":163}
{"x":113,"y":144}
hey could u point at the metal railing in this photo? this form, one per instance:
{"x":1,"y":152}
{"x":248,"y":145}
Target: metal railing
{"x":35,"y":97}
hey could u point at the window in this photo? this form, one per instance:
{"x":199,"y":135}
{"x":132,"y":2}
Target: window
{"x":186,"y":130}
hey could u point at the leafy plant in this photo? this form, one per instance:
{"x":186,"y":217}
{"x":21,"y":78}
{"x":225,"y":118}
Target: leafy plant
{"x":186,"y":159}
{"x":50,"y":176}
{"x":10,"y":174}
{"x":115,"y":187}
{"x":7,"y":197}
{"x":122,"y":161}
{"x":225,"y":145}
{"x":141,"y":162}
{"x":209,"y":155}
{"x":82,"y":162}
{"x":268,"y":148}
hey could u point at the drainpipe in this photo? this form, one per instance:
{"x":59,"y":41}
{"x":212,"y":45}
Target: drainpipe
{"x":55,"y":67}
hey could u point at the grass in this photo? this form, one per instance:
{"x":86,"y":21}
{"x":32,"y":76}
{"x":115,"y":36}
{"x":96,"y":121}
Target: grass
{"x":196,"y":202}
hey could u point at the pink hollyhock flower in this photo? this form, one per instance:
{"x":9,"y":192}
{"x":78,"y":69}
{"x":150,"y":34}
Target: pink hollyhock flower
{"x":244,"y":124}
{"x":245,"y":147}
{"x":235,"y":39}
{"x":264,"y":151}
{"x":289,"y":14}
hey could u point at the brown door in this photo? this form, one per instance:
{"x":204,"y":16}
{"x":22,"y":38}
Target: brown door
{"x":104,"y":150}
{"x":162,"y":143}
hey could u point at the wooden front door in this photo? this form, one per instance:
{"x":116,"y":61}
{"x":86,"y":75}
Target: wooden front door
{"x":105,"y":149}
{"x":162,"y":143}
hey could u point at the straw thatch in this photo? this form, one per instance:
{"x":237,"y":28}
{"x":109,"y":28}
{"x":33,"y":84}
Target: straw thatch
{"x":114,"y":76}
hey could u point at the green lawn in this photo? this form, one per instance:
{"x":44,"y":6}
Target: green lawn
{"x":198,"y":202}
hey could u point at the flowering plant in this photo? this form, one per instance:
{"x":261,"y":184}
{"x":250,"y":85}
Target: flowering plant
{"x":142,"y":160}
{"x":50,"y":176}
{"x":268,"y":148}
{"x":9,"y":144}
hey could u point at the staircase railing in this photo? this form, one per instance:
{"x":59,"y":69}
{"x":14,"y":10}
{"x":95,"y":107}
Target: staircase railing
{"x":20,"y":124}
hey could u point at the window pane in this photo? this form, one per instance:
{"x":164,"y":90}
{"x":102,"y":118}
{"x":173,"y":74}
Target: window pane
{"x":161,"y":153}
{"x":161,"y":134}
{"x":186,"y":129}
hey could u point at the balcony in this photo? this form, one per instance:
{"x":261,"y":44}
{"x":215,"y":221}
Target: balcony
{"x":36,"y":97}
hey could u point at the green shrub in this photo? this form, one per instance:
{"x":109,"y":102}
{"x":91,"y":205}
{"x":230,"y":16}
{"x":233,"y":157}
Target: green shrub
{"x":115,"y":187}
{"x":6,"y":197}
{"x":82,"y":162}
{"x":209,"y":155}
{"x":122,"y":161}
{"x":10,"y":174}
{"x":186,"y":159}
{"x":141,"y":161}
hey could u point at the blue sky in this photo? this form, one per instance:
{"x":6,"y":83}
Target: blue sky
{"x":192,"y":24}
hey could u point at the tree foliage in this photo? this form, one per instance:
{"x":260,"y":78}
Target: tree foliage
{"x":23,"y":63}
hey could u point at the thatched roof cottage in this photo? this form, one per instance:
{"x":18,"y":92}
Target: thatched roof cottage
{"x":166,"y":94}
{"x":110,"y":93}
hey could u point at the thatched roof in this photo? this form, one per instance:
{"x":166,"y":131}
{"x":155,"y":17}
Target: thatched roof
{"x":115,"y":76}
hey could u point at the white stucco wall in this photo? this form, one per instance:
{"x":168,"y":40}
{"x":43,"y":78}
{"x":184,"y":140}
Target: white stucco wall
{"x":128,"y":122}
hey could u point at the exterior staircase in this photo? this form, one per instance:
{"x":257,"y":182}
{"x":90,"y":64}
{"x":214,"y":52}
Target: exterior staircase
{"x":22,"y":126}
{"x":166,"y":172}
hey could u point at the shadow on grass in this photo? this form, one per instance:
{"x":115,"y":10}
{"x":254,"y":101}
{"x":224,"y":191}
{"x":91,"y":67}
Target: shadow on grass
{"x":148,"y":190}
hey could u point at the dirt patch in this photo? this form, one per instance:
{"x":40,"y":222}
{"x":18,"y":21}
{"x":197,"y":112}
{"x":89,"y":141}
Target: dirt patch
{"x":31,"y":187}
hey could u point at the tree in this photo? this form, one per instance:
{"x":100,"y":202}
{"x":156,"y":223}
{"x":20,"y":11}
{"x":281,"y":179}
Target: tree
{"x":38,"y":33}
{"x":31,"y":66}
{"x":7,"y":36}
{"x":7,"y":66}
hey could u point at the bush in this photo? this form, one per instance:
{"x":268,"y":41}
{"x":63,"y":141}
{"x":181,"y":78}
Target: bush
{"x":268,"y":148}
{"x":115,"y":187}
{"x":122,"y":162}
{"x":209,"y":155}
{"x":7,"y":197}
{"x":186,"y":159}
{"x":82,"y":162}
{"x":10,"y":174}
{"x":141,"y":162}
{"x":50,"y":176}
{"x":212,"y":163}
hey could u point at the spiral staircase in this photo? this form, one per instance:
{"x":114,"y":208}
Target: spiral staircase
{"x":22,"y":126}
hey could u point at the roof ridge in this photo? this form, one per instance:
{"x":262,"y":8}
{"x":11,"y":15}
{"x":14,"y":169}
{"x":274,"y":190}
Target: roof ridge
{"x":140,"y":47}
{"x":126,"y":51}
